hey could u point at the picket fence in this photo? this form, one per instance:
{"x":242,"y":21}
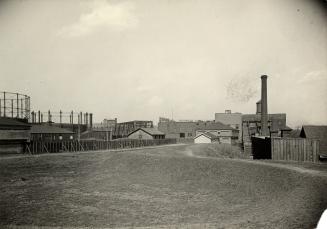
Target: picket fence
{"x":37,"y":147}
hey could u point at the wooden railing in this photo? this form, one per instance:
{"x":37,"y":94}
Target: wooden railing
{"x":36,"y":147}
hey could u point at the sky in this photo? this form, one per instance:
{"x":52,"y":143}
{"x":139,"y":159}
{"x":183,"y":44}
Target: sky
{"x":142,"y":59}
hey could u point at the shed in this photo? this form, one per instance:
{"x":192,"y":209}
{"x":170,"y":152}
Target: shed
{"x":14,"y":134}
{"x":146,"y":133}
{"x":206,"y":138}
{"x":50,"y":133}
{"x":316,"y":132}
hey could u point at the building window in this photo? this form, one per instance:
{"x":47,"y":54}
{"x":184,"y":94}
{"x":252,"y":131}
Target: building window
{"x":140,"y":136}
{"x":182,"y":135}
{"x":189,"y":135}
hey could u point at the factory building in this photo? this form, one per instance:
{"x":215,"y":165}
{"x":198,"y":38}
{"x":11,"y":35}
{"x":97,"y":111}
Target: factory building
{"x":191,"y":129}
{"x":260,"y":123}
{"x":122,"y":130}
{"x":251,"y":124}
{"x":108,"y":124}
{"x":233,"y":120}
{"x":178,"y":129}
{"x":224,"y":133}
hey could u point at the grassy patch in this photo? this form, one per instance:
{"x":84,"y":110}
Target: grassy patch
{"x":151,"y":187}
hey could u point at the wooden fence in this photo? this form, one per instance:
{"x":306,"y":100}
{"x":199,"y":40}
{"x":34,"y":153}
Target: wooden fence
{"x":35,"y":147}
{"x":295,"y":149}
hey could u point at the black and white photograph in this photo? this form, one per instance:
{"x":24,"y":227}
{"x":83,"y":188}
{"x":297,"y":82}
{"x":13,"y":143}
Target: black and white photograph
{"x":163,"y":114}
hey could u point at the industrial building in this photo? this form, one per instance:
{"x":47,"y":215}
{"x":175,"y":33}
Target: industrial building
{"x":224,"y":133}
{"x":191,"y":129}
{"x":123,"y":129}
{"x":178,"y":129}
{"x":108,"y":124}
{"x":233,"y":120}
{"x":251,"y":125}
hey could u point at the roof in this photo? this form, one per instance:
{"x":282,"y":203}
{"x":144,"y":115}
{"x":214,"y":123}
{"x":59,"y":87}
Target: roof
{"x":47,"y":129}
{"x":286,"y":128}
{"x":316,"y":132}
{"x":213,"y":126}
{"x":12,"y":123}
{"x":208,"y":135}
{"x":294,"y":133}
{"x":151,"y":131}
{"x":257,"y":117}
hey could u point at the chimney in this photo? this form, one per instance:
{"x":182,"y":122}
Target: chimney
{"x":91,"y":121}
{"x":264,"y":107}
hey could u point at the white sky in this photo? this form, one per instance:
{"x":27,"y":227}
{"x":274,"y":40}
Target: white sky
{"x":145,"y":59}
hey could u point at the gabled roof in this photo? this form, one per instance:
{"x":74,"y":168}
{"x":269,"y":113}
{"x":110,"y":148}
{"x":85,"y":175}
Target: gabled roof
{"x":151,"y":131}
{"x":208,"y":135}
{"x":13,"y":124}
{"x":47,"y":129}
{"x":316,"y":132}
{"x":213,"y":126}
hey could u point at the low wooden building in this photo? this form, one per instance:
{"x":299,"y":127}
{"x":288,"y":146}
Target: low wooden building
{"x":146,"y":133}
{"x":206,"y":138}
{"x":316,"y":132}
{"x":14,"y":134}
{"x":45,"y":132}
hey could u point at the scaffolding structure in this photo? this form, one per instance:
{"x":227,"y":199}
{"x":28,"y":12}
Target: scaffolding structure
{"x":62,"y":117}
{"x":14,"y":105}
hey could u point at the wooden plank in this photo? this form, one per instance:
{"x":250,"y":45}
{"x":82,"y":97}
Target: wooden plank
{"x":302,"y":150}
{"x":315,"y":151}
{"x":277,"y":147}
{"x":272,"y":149}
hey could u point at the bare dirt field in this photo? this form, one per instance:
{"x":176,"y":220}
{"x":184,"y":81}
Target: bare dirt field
{"x":184,"y":186}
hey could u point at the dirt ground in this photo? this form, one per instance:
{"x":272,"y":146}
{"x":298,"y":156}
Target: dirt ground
{"x":184,"y":186}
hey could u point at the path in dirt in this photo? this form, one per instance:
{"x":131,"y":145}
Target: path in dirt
{"x":169,"y":186}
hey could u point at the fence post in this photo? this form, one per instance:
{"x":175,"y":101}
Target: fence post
{"x":17,"y":108}
{"x":4,"y":104}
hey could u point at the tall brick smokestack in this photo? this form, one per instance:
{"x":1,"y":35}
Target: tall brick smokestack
{"x":264,"y":107}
